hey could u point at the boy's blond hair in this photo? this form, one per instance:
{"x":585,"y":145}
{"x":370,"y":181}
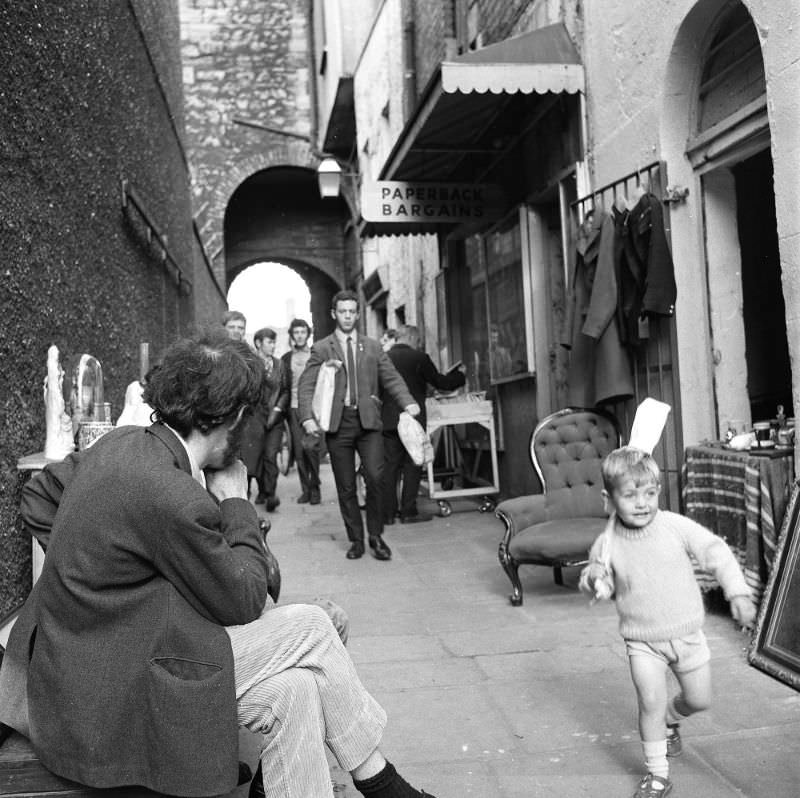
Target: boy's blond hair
{"x":628,"y":462}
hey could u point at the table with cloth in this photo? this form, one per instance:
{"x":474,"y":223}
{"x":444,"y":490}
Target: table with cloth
{"x":741,"y":496}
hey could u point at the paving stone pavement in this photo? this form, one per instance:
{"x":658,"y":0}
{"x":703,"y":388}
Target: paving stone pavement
{"x":485,"y":699}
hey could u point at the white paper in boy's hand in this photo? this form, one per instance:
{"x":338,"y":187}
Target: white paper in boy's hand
{"x":648,"y":424}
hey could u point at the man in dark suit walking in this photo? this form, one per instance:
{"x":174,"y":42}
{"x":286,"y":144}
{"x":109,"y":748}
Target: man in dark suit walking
{"x":355,"y":422}
{"x":418,"y":371}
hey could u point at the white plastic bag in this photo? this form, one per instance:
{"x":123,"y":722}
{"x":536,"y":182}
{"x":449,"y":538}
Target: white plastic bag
{"x":415,"y":439}
{"x":322,"y":401}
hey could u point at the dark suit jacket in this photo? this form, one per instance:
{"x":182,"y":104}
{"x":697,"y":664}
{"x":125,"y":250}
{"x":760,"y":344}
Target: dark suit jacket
{"x":374,"y":371}
{"x":418,"y":371}
{"x":130,"y":678}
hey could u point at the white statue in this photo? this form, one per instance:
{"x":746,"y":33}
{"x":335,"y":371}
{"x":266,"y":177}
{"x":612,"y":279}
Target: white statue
{"x":58,"y":425}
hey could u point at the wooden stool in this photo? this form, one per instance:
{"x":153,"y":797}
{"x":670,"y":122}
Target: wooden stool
{"x":22,"y":775}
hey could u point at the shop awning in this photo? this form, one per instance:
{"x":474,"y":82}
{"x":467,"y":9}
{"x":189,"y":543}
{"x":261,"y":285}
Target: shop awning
{"x":458,"y":115}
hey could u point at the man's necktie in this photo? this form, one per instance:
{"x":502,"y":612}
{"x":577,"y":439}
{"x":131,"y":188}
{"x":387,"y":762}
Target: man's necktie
{"x":351,"y":373}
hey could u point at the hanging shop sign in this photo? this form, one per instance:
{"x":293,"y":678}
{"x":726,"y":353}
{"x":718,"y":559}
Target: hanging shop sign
{"x":430,"y":203}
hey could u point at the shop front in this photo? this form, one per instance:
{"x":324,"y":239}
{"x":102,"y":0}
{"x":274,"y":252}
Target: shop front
{"x":508,"y":116}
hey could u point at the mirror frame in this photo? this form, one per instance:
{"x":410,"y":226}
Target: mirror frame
{"x":775,"y":647}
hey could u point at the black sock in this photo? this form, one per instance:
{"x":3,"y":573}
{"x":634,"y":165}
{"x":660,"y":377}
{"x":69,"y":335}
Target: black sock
{"x":387,"y":784}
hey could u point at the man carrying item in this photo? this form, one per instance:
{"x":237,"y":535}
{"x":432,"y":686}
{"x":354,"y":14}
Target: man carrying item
{"x":305,"y":457}
{"x":260,"y":450}
{"x":147,"y":639}
{"x":418,"y":371}
{"x":355,"y":423}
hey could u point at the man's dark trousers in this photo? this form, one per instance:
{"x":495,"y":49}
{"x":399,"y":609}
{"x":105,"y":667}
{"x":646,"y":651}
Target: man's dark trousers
{"x":342,"y":446}
{"x":397,"y":461}
{"x":269,"y":459}
{"x":307,"y":461}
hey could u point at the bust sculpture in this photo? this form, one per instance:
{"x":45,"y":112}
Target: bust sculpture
{"x":58,"y":425}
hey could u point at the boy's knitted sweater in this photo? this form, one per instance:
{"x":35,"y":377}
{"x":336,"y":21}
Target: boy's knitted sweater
{"x":656,"y":592}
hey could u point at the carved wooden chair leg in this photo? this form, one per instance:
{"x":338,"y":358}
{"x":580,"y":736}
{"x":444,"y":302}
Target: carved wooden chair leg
{"x":511,"y":567}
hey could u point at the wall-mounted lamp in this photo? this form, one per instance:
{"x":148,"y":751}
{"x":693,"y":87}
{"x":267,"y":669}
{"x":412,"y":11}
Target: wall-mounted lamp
{"x":329,"y":177}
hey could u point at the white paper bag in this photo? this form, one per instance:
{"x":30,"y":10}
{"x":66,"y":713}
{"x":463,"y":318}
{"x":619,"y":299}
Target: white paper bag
{"x":322,"y":401}
{"x":415,"y":439}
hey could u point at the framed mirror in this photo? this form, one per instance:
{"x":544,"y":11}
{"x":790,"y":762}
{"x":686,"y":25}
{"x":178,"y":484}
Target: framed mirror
{"x":775,"y":648}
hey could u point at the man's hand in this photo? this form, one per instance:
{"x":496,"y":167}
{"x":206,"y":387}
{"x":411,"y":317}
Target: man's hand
{"x":229,"y":482}
{"x":311,"y":426}
{"x":413,"y":409}
{"x":743,"y":611}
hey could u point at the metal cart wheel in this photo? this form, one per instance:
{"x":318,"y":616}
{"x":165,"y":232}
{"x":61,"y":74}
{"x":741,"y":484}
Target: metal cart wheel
{"x":285,"y":457}
{"x":487,"y":505}
{"x":444,"y":508}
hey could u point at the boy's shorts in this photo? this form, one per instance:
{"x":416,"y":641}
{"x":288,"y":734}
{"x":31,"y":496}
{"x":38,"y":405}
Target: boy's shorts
{"x":681,"y":655}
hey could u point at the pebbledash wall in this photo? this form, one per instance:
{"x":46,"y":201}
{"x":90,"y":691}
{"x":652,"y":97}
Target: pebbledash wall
{"x":90,"y":95}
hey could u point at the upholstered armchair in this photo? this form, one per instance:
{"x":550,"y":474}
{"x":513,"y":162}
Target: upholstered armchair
{"x":557,"y":527}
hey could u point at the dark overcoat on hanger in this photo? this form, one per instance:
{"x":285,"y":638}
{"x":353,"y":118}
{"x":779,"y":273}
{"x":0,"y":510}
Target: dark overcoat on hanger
{"x":599,"y":367}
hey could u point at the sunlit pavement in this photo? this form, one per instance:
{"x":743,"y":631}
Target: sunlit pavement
{"x":485,"y":699}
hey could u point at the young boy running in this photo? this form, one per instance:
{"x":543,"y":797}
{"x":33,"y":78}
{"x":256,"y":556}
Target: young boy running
{"x":642,"y":561}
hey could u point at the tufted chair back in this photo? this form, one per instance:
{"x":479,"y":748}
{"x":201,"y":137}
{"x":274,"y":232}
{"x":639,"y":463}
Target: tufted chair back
{"x":566,"y":450}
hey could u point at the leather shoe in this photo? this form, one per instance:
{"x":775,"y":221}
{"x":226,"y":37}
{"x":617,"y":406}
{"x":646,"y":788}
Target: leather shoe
{"x":272,"y":502}
{"x":418,"y":518}
{"x":303,"y":498}
{"x":356,"y":551}
{"x":257,"y":784}
{"x":380,"y":551}
{"x":314,"y":496}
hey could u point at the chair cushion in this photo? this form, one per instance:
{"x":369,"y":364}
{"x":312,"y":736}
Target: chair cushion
{"x":557,"y":540}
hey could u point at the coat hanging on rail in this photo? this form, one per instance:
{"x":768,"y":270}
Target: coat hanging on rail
{"x":599,"y":367}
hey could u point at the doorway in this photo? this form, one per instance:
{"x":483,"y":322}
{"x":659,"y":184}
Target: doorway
{"x":769,"y":377}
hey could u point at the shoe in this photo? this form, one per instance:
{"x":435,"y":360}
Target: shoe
{"x":417,"y":518}
{"x":259,"y":500}
{"x":303,"y":498}
{"x":257,"y":784}
{"x":245,"y":774}
{"x":356,"y":551}
{"x":648,"y":789}
{"x":314,"y":496}
{"x":674,"y":744}
{"x":272,"y":503}
{"x":380,"y":551}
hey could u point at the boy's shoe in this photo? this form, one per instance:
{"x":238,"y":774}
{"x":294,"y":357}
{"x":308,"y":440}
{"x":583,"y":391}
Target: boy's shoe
{"x":674,"y":744}
{"x":653,"y":787}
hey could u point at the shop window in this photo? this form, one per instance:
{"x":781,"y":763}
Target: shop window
{"x":496,"y":323}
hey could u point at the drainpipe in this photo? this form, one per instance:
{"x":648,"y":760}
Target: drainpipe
{"x":409,"y":67}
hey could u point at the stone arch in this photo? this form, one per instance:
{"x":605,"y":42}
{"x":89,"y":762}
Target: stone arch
{"x":276,"y":214}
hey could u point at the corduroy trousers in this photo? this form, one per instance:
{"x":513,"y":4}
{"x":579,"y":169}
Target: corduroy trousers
{"x":298,"y":687}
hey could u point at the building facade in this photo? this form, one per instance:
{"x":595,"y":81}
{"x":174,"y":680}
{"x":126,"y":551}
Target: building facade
{"x":570,"y":109}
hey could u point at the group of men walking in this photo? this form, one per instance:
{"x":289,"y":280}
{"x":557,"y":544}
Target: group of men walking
{"x":374,"y":382}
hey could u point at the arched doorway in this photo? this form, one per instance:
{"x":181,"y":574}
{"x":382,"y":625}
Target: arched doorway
{"x":717,"y":142}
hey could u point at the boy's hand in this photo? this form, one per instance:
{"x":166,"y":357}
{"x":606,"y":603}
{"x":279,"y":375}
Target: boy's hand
{"x":743,"y":611}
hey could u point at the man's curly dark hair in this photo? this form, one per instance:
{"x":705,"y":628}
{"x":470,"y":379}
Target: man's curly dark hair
{"x":203,"y":382}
